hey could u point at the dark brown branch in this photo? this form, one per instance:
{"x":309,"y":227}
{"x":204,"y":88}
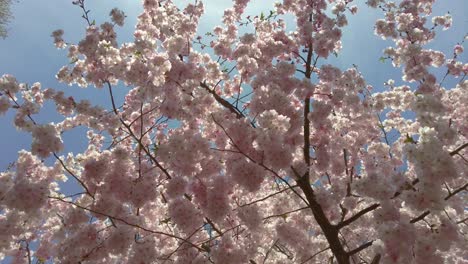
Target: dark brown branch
{"x":19,"y":106}
{"x":213,"y":226}
{"x":222,"y":101}
{"x":420,"y":217}
{"x":226,"y":150}
{"x":462,"y":221}
{"x":360,"y":248}
{"x":28,"y":252}
{"x":357,"y":216}
{"x":300,"y":56}
{"x":344,"y":212}
{"x":306,"y":149}
{"x":141,"y":137}
{"x":268,"y":196}
{"x":301,"y":71}
{"x":55,"y":154}
{"x":285,"y":213}
{"x":427,"y":212}
{"x":81,"y":4}
{"x":345,"y":159}
{"x":463,"y":158}
{"x":283,"y":250}
{"x":414,"y":182}
{"x":330,"y":231}
{"x":314,"y":255}
{"x":268,"y":252}
{"x":456,"y":191}
{"x":73,"y":175}
{"x":457,"y":150}
{"x":114,"y":107}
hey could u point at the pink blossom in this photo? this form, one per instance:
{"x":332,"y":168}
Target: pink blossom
{"x":117,"y":16}
{"x":458,"y":49}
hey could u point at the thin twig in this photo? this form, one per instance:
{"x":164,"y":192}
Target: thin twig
{"x":360,"y":248}
{"x":115,"y":218}
{"x":314,"y":255}
{"x":457,"y":150}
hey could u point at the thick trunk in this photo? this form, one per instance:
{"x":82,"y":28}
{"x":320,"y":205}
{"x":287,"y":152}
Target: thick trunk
{"x":329,"y":230}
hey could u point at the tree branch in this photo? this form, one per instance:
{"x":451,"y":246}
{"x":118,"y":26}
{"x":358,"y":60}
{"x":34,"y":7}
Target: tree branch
{"x":168,"y":176}
{"x":306,"y":149}
{"x":73,"y":175}
{"x":285,"y":213}
{"x":357,"y":216}
{"x":314,"y":255}
{"x":456,"y":191}
{"x":330,"y":231}
{"x":457,"y":150}
{"x":420,"y":217}
{"x":360,"y":248}
{"x":268,"y":196}
{"x":222,"y":101}
{"x":213,"y":226}
{"x":258,"y":163}
{"x":427,"y":212}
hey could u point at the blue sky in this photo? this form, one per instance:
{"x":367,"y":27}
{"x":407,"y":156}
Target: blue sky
{"x":29,"y":54}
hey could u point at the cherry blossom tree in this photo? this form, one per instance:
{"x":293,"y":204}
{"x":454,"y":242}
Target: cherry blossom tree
{"x":260,"y":153}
